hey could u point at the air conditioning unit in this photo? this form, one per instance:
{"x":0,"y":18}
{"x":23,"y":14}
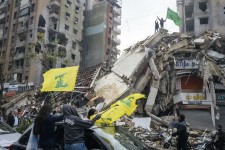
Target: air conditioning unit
{"x":67,"y":18}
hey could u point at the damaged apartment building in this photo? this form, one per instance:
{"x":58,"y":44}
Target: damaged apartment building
{"x":36,"y":35}
{"x":201,"y":15}
{"x":179,"y":71}
{"x":101,"y":32}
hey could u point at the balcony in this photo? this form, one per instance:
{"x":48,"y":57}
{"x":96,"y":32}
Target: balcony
{"x":116,"y":31}
{"x":23,"y":19}
{"x":18,"y":56}
{"x":20,"y":43}
{"x":3,"y":6}
{"x":54,"y":16}
{"x":117,"y":20}
{"x":2,"y":16}
{"x":17,"y":69}
{"x":117,"y":11}
{"x":22,"y":30}
{"x":116,"y":41}
{"x":55,"y":4}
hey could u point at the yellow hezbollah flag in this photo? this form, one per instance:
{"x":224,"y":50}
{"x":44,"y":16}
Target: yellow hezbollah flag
{"x":117,"y":110}
{"x":61,"y":79}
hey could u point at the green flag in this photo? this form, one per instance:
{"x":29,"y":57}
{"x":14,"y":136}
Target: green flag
{"x":172,"y":15}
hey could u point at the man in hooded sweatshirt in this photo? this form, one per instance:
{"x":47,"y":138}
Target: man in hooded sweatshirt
{"x":74,"y":128}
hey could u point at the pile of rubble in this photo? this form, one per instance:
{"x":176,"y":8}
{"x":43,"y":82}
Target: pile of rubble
{"x":159,"y":137}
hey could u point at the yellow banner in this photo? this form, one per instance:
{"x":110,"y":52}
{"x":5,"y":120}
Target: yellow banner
{"x":125,"y":106}
{"x":60,"y":79}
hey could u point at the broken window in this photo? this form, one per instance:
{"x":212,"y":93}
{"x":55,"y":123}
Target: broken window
{"x":31,"y":20}
{"x":190,"y":25}
{"x":67,"y":16}
{"x":24,"y":12}
{"x":15,"y":15}
{"x":32,"y":7}
{"x":77,"y":9}
{"x":67,"y":27}
{"x":41,"y":22}
{"x":204,"y":20}
{"x":76,"y":20}
{"x":73,"y":56}
{"x":74,"y":45}
{"x":189,"y":9}
{"x":75,"y":31}
{"x":202,"y":6}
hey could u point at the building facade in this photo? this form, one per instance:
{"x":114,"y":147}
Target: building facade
{"x":38,"y":35}
{"x":201,"y":15}
{"x":101,"y":32}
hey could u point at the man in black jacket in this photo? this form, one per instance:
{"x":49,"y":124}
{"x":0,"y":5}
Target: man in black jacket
{"x":74,"y":128}
{"x":181,"y":133}
{"x":220,"y":143}
{"x":10,"y":119}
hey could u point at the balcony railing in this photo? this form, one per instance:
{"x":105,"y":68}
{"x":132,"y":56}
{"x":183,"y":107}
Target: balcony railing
{"x":20,"y":43}
{"x":117,"y":20}
{"x":117,"y":11}
{"x":18,"y":56}
{"x":17,"y":69}
{"x":21,"y":30}
{"x":54,"y":16}
{"x":117,"y":30}
{"x":116,"y":41}
{"x":3,"y":5}
{"x":55,"y":4}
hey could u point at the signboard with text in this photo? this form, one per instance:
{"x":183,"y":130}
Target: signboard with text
{"x":186,"y":64}
{"x":193,"y":98}
{"x":220,"y":98}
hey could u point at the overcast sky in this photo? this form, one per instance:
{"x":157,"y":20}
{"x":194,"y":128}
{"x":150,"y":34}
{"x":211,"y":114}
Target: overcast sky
{"x":138,"y":19}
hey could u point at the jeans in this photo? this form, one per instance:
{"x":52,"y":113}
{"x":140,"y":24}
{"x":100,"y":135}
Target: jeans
{"x":77,"y":146}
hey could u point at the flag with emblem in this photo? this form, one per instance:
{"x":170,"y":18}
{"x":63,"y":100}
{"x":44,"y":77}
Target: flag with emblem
{"x":60,"y":79}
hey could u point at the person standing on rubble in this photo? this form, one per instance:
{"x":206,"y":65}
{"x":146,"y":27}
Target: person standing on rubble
{"x":156,"y":26}
{"x":74,"y":128}
{"x":10,"y":119}
{"x":161,"y":21}
{"x":181,"y":133}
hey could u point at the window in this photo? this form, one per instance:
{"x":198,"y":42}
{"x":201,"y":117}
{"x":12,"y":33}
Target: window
{"x":14,"y":27}
{"x":31,"y":35}
{"x":76,"y":20}
{"x":224,"y":10}
{"x":15,"y":15}
{"x":74,"y":31}
{"x":204,"y":20}
{"x":110,"y":30}
{"x":73,"y":56}
{"x":67,"y":27}
{"x":67,"y":16}
{"x":109,"y":41}
{"x":6,"y":30}
{"x":74,"y":45}
{"x":69,"y":2}
{"x":16,"y":3}
{"x":13,"y":40}
{"x":32,"y":7}
{"x":31,"y":20}
{"x":77,"y":9}
{"x":202,"y":6}
{"x":7,"y":18}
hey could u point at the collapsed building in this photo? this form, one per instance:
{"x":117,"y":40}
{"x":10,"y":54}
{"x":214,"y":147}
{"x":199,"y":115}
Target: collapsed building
{"x":176,"y":71}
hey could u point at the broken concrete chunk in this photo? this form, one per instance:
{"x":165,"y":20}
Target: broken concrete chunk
{"x":199,"y":41}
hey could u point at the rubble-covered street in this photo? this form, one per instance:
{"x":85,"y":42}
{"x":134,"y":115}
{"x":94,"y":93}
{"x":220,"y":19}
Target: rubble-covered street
{"x":155,"y":67}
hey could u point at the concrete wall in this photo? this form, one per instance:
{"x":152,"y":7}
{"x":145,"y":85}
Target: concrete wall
{"x":95,"y":35}
{"x":218,"y":16}
{"x":215,"y":13}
